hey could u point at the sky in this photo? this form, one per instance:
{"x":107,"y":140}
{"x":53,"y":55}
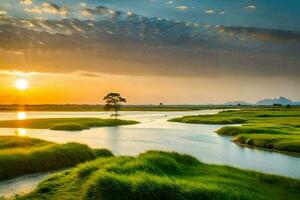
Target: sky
{"x":150,"y":51}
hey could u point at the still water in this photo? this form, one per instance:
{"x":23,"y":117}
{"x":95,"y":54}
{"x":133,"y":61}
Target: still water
{"x":156,"y":133}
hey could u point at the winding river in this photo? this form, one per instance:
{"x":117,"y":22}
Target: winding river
{"x":153,"y":133}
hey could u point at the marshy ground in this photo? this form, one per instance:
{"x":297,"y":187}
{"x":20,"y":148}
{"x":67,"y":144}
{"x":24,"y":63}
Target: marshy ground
{"x":66,"y":124}
{"x":277,"y":129}
{"x":150,"y":175}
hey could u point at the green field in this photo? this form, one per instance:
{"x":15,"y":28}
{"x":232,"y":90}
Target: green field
{"x":22,"y":155}
{"x":67,"y":124}
{"x":277,"y":129}
{"x":162,"y":176}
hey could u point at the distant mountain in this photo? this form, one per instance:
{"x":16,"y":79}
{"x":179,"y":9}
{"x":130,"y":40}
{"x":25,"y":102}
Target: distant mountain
{"x":235,"y":103}
{"x":281,"y":100}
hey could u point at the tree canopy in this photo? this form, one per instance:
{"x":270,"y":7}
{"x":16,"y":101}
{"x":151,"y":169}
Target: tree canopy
{"x":113,"y":101}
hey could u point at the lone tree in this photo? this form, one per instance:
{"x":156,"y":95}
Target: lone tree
{"x":113,"y":101}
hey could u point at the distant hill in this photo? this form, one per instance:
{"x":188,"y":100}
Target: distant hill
{"x":281,"y":100}
{"x":235,"y":103}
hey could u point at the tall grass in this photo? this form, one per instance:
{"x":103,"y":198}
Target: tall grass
{"x":20,"y":156}
{"x":10,"y":142}
{"x":162,"y":176}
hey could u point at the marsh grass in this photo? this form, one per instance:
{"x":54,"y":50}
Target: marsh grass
{"x":162,"y":176}
{"x":21,"y":155}
{"x":11,"y":142}
{"x":276,"y":129}
{"x":66,"y":124}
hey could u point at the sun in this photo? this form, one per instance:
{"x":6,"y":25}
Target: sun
{"x":22,"y":84}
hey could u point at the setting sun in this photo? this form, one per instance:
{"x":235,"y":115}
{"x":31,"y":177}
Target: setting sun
{"x":21,"y":84}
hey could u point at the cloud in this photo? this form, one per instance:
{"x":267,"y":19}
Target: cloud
{"x":138,"y":45}
{"x":34,"y":10}
{"x":55,"y":9}
{"x":86,"y":12}
{"x":100,"y":10}
{"x":25,"y":2}
{"x":82,"y":4}
{"x":251,"y":7}
{"x":4,"y":18}
{"x":263,"y":34}
{"x":3,"y":12}
{"x":182,"y":7}
{"x":209,"y":11}
{"x":88,"y":74}
{"x":27,"y":23}
{"x":50,"y":8}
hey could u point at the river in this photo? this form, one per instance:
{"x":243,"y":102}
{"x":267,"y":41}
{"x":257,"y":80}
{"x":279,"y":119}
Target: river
{"x":155,"y":133}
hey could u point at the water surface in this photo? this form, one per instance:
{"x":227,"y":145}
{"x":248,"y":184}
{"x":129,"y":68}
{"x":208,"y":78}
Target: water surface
{"x":154,"y":132}
{"x":21,"y":185}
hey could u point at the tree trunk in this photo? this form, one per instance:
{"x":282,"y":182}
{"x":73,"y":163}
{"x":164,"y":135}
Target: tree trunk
{"x":116,"y":111}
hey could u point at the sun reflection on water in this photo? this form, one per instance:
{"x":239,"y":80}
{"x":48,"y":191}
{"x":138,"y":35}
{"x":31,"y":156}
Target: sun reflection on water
{"x":22,"y":115}
{"x":21,"y":132}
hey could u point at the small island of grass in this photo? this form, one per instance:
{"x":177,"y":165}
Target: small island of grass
{"x":23,"y":155}
{"x":65,"y":124}
{"x":162,"y":176}
{"x":276,"y":129}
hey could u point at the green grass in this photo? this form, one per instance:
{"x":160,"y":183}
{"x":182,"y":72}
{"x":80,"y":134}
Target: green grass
{"x":11,"y":142}
{"x":22,"y":155}
{"x":277,"y":129}
{"x":208,"y":119}
{"x":278,"y":142}
{"x":67,"y":124}
{"x":162,"y":176}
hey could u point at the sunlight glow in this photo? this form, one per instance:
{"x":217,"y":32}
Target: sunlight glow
{"x":22,"y":115}
{"x":21,"y":84}
{"x":21,"y":132}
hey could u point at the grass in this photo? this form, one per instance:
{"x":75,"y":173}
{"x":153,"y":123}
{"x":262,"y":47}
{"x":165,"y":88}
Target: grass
{"x":22,"y":155}
{"x":277,"y":129}
{"x":162,"y":176}
{"x":66,"y":124}
{"x":11,"y":142}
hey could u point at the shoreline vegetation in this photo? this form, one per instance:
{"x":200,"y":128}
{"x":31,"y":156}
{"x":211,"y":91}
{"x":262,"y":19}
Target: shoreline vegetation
{"x":92,"y":174}
{"x":274,"y":129}
{"x":64,"y":124}
{"x":98,"y":174}
{"x":162,"y":175}
{"x":23,"y":155}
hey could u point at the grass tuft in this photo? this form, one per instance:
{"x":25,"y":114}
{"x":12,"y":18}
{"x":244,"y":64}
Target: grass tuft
{"x":20,"y":156}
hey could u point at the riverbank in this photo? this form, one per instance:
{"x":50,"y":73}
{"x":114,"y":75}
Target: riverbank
{"x":155,"y":133}
{"x":66,"y":124}
{"x":276,"y":129}
{"x":162,"y":175}
{"x":22,"y":155}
